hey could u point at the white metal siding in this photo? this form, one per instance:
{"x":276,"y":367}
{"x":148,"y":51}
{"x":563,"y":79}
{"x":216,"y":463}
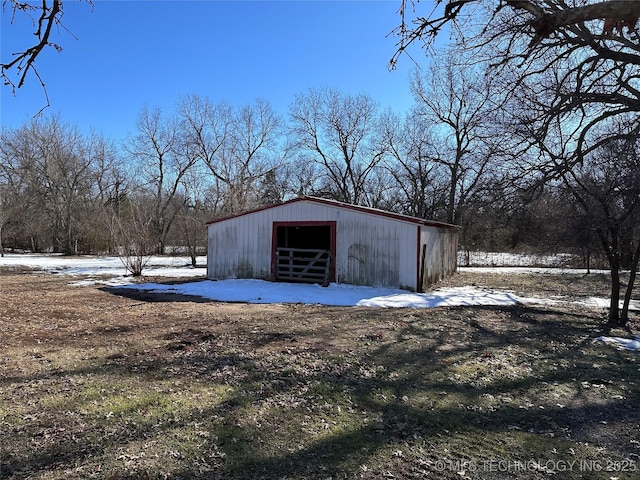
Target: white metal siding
{"x":440,"y":258}
{"x":370,"y":249}
{"x":239,"y":248}
{"x":375,"y":250}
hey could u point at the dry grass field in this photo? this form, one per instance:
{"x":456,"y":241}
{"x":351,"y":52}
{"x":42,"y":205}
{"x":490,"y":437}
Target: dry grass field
{"x":95,"y":384}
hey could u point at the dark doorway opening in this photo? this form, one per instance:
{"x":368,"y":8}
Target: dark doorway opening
{"x":304,"y":252}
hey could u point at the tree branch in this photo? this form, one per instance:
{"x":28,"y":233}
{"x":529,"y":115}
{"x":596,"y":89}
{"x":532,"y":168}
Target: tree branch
{"x":544,"y":24}
{"x":24,"y":60}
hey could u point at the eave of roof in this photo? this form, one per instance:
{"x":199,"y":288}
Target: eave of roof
{"x":335,"y":203}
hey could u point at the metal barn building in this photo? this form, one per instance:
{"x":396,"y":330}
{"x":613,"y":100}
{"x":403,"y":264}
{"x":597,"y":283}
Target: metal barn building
{"x":310,"y":239}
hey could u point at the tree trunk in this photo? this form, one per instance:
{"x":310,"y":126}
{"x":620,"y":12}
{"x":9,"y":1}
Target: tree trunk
{"x":451,"y":211}
{"x":611,"y":245}
{"x":624,"y":317}
{"x":614,"y":305}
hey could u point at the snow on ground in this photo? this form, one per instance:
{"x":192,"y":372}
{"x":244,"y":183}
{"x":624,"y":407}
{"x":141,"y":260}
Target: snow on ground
{"x":110,"y":271}
{"x":104,"y":270}
{"x":261,"y":291}
{"x":506,"y":259}
{"x":524,"y":270}
{"x":622,"y":343}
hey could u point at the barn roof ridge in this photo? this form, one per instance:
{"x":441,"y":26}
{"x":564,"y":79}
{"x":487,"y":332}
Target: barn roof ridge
{"x":336,"y":203}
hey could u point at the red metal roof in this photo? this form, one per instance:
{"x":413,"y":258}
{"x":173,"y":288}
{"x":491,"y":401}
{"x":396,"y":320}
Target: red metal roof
{"x":335,"y":203}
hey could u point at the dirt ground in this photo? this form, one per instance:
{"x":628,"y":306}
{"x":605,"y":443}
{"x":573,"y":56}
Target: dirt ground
{"x":88,"y":375}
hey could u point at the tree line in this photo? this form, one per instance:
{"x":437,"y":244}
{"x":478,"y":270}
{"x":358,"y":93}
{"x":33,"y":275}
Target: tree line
{"x":468,"y":152}
{"x":454,"y":157}
{"x":64,"y":191}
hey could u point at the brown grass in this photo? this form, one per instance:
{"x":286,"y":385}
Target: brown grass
{"x":96,"y":383}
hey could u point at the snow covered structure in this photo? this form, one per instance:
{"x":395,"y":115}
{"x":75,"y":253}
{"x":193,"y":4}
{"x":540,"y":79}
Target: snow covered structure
{"x":311,"y":239}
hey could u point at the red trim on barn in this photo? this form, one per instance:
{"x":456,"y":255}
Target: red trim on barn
{"x":419,"y":263}
{"x":314,"y":223}
{"x":334,"y":203}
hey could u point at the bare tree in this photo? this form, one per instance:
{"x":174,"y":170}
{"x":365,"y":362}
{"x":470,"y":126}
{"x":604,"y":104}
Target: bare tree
{"x":156,"y":149}
{"x":251,"y":155}
{"x":17,"y":156}
{"x":571,"y":65}
{"x":537,"y":21}
{"x":9,"y":188}
{"x":239,"y":147}
{"x":606,"y":189}
{"x":419,"y":182}
{"x":205,"y":128}
{"x":338,"y":132}
{"x":5,"y":211}
{"x":133,"y":231}
{"x":110,"y":188}
{"x":195,"y":213}
{"x":458,"y":104}
{"x":51,"y":164}
{"x":579,"y":69}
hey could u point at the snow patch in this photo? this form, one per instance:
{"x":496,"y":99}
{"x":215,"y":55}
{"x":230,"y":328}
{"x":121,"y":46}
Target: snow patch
{"x":109,"y":271}
{"x":103,"y":270}
{"x":622,"y":343}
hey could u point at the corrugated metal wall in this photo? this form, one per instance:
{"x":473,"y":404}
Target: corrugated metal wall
{"x":370,"y":249}
{"x":374,"y":250}
{"x":240,"y":248}
{"x":440,"y":248}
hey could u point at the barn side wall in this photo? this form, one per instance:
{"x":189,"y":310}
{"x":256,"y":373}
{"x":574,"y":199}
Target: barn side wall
{"x":374,"y":250}
{"x":370,"y":249}
{"x":239,"y":248}
{"x":438,"y":254}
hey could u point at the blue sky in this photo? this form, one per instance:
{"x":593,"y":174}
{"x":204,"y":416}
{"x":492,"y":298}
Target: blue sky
{"x":131,"y":53}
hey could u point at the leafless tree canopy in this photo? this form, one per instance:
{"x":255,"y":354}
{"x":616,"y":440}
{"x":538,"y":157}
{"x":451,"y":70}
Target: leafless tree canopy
{"x":536,"y":20}
{"x":576,"y":61}
{"x":338,"y":133}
